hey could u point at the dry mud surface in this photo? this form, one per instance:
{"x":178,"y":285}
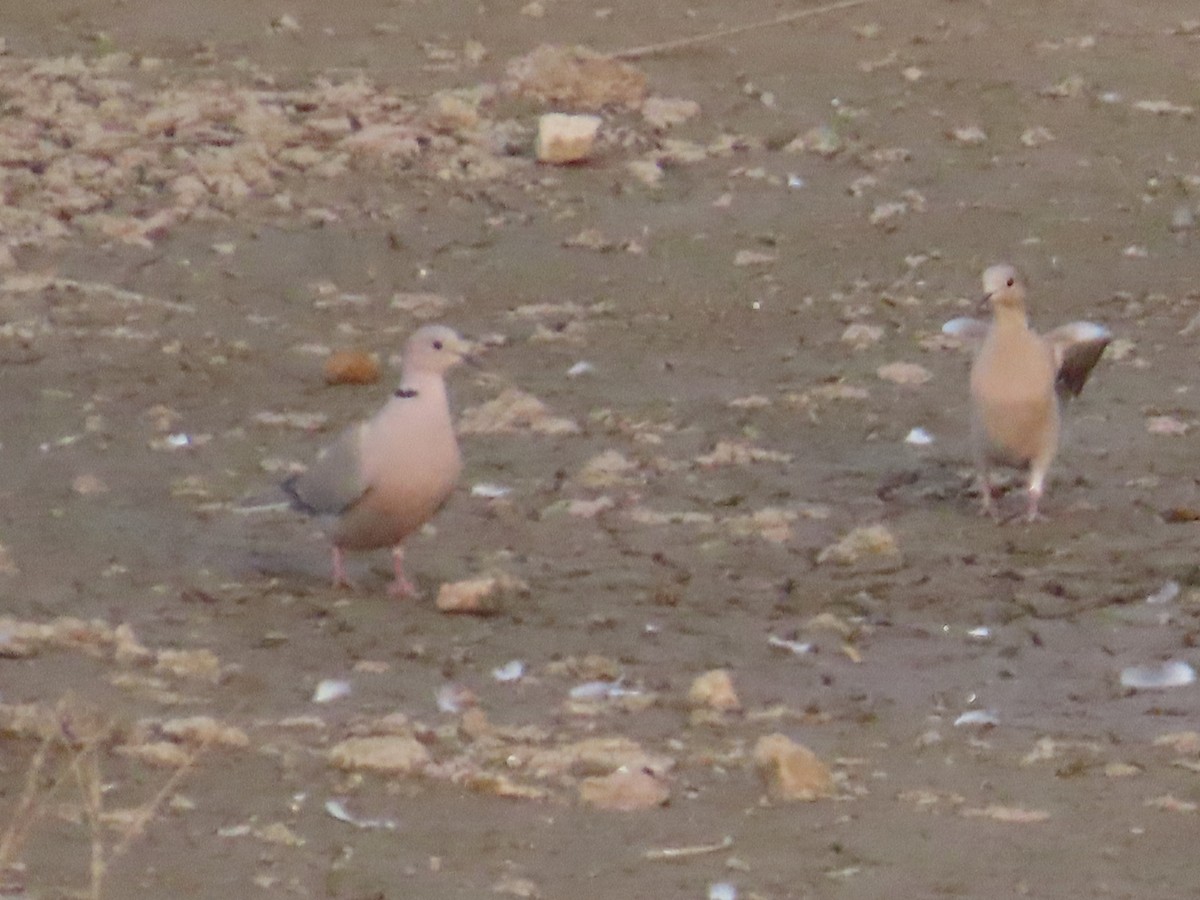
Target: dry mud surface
{"x":202,"y":200}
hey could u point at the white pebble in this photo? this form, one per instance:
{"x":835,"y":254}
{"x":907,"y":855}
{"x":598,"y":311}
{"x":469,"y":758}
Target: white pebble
{"x":1173,"y":673}
{"x":513,"y":670}
{"x":331,"y":689}
{"x":919,"y":437}
{"x":1165,"y":594}
{"x":490,"y":491}
{"x":982,"y":718}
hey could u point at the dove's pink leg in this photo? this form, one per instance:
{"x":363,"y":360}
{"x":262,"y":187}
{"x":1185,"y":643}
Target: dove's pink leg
{"x":339,"y":568}
{"x":1036,"y":487}
{"x":401,"y":587}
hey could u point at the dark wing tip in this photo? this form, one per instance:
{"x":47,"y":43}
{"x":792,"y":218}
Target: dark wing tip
{"x":1078,"y":361}
{"x":290,"y":486}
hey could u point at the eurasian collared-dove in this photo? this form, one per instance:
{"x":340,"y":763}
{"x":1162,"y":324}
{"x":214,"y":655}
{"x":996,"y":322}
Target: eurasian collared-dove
{"x":384,"y":478}
{"x":1020,"y":380}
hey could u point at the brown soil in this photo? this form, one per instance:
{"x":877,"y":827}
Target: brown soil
{"x":111,"y":343}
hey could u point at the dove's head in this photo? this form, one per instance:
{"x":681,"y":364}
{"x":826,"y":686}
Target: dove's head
{"x":434,"y":349}
{"x":1003,"y":289}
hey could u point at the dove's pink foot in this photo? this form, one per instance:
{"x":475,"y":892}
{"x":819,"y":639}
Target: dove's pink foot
{"x":987,"y":506}
{"x":401,"y":586}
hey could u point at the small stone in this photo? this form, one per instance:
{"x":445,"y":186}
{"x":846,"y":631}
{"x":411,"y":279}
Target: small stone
{"x":904,"y":373}
{"x":163,"y":754}
{"x":663,"y":112}
{"x":822,"y":140}
{"x":87,"y":485}
{"x":885,"y":215}
{"x":511,"y":886}
{"x":648,"y":171}
{"x":625,"y":790}
{"x":714,"y":690}
{"x":205,"y":731}
{"x":608,"y":469}
{"x":351,"y":367}
{"x":968,"y":135}
{"x":1036,"y":136}
{"x":1167,"y":425}
{"x":790,"y":770}
{"x":481,"y":596}
{"x":754,"y":258}
{"x":866,"y":541}
{"x":200,"y":664}
{"x":564,"y":138}
{"x":1183,"y":219}
{"x":861,"y":335}
{"x":285,"y":23}
{"x":386,"y":754}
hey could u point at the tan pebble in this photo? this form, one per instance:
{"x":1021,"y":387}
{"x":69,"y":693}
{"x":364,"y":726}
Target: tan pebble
{"x":373,"y":666}
{"x":511,"y":886}
{"x":791,"y":770}
{"x":474,"y":596}
{"x":608,"y":469}
{"x":205,"y":730}
{"x":714,"y":690}
{"x":589,"y":509}
{"x":663,"y":112}
{"x":475,"y":723}
{"x":595,"y":756}
{"x":648,"y":171}
{"x":574,"y":77}
{"x":563,"y":138}
{"x":904,"y":373}
{"x":624,"y":791}
{"x":86,"y":485}
{"x":392,"y":755}
{"x":164,"y":754}
{"x":1180,"y":741}
{"x":279,"y":833}
{"x":201,"y":664}
{"x":500,"y":785}
{"x":7,"y":565}
{"x":1121,"y":770}
{"x":391,"y":724}
{"x":514,"y":410}
{"x":866,"y":541}
{"x":351,"y":367}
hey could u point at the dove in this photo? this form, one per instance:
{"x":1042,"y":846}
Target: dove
{"x":384,"y":478}
{"x":1020,"y":381}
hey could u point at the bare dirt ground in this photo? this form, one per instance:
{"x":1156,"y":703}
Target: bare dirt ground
{"x":202,"y":200}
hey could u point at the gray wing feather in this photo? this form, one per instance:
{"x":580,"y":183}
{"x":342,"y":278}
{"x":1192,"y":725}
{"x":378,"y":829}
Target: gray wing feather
{"x":1077,"y":348}
{"x":334,"y":482}
{"x":966,"y":329}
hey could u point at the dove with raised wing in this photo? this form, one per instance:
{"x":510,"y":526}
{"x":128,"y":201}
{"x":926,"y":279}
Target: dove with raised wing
{"x":1020,"y":381}
{"x":384,"y":478}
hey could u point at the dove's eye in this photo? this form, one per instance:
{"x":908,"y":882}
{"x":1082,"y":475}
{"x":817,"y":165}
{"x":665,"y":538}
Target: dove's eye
{"x":437,"y":345}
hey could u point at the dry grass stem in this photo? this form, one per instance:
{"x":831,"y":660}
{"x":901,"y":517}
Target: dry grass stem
{"x":785,"y":19}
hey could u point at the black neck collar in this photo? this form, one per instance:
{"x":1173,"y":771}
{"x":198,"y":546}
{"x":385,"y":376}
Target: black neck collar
{"x":405,"y":393}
